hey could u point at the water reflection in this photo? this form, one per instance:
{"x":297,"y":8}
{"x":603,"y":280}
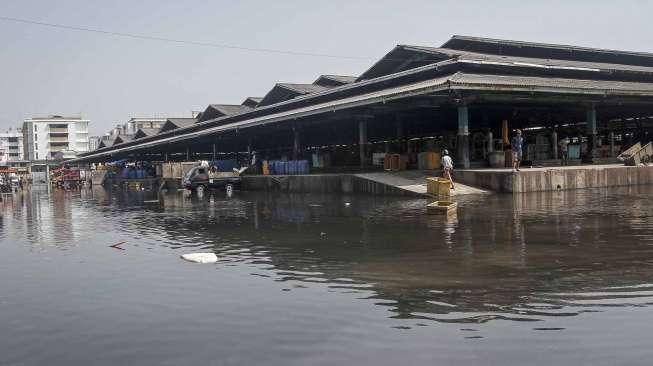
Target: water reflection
{"x":524,"y":258}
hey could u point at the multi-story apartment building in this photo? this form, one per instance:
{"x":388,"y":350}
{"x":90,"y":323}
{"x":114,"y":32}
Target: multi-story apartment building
{"x":54,"y":137}
{"x":11,"y":146}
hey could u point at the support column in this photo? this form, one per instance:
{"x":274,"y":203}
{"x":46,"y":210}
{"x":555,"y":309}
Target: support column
{"x":490,"y":141}
{"x":554,"y":143}
{"x":399,"y":123}
{"x":362,"y":142}
{"x":187,"y":153}
{"x":612,"y":152}
{"x":296,"y":146}
{"x":463,"y":137}
{"x":591,"y":132}
{"x":213,"y":152}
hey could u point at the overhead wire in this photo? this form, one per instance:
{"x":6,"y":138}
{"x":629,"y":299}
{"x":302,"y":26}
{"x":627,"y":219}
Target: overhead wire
{"x":180,"y":41}
{"x":203,"y":43}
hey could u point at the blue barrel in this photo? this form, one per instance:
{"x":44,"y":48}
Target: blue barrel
{"x":140,"y":173}
{"x":125,"y":173}
{"x":132,"y":174}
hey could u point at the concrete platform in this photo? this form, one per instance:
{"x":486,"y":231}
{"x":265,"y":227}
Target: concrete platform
{"x":556,"y":178}
{"x":415,"y":181}
{"x":404,"y":183}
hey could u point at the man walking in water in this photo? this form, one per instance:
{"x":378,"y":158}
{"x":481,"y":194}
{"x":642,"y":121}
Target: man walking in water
{"x":447,"y":166}
{"x":517,"y":143}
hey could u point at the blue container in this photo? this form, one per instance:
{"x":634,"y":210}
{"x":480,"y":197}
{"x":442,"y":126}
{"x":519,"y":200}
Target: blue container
{"x":132,"y":174}
{"x":225,"y":165}
{"x":125,"y":173}
{"x":291,"y":167}
{"x":140,"y":174}
{"x":304,"y":167}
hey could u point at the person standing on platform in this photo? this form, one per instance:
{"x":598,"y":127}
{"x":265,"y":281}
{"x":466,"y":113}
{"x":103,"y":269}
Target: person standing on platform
{"x":447,"y":166}
{"x":564,"y":149}
{"x":517,"y":143}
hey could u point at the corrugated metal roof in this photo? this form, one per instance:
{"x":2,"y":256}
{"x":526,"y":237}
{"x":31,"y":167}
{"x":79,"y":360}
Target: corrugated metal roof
{"x":459,"y":81}
{"x":251,"y":102}
{"x":230,"y":109}
{"x":531,"y":61}
{"x":542,"y":45}
{"x":303,"y":88}
{"x":334,"y":80}
{"x":602,"y":87}
{"x":181,"y":122}
{"x":143,"y":132}
{"x":286,"y":91}
{"x":123,"y":138}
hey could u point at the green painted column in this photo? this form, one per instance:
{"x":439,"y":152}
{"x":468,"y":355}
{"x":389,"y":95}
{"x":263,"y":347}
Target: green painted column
{"x":463,"y":137}
{"x":362,"y":142}
{"x":591,"y":132}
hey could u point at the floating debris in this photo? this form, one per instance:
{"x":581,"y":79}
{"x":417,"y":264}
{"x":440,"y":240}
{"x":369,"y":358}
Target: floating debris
{"x":200,"y":257}
{"x":117,"y":245}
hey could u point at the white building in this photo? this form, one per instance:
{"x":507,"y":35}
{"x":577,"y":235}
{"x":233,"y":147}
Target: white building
{"x":11,"y":146}
{"x":54,"y":137}
{"x":93,"y":142}
{"x":134,"y":124}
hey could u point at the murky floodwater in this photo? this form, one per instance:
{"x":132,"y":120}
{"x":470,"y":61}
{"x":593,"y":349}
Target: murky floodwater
{"x":555,"y":278}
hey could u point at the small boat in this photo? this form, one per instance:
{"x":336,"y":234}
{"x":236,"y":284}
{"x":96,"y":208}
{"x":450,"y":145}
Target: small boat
{"x":442,"y":207}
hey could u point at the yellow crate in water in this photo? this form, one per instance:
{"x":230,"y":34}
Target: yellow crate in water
{"x":432,"y":185}
{"x":438,"y":186}
{"x":444,"y":187}
{"x":442,"y":207}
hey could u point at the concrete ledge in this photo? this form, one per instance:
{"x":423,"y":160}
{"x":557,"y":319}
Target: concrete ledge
{"x":321,"y":183}
{"x":560,"y":178}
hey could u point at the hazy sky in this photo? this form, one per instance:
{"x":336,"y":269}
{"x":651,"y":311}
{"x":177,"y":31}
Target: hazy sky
{"x":110,"y":79}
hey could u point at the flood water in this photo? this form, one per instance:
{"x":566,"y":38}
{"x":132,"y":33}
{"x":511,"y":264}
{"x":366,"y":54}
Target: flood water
{"x":534,"y":279}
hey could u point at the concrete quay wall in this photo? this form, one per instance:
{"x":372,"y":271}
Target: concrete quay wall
{"x":320,"y":183}
{"x":542,"y":179}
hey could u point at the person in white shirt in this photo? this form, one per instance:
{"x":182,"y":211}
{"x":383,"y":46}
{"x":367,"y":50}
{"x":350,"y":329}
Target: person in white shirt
{"x":564,"y":149}
{"x":447,"y":166}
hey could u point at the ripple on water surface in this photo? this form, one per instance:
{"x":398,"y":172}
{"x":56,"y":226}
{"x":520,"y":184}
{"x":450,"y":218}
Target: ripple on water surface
{"x":326,"y":279}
